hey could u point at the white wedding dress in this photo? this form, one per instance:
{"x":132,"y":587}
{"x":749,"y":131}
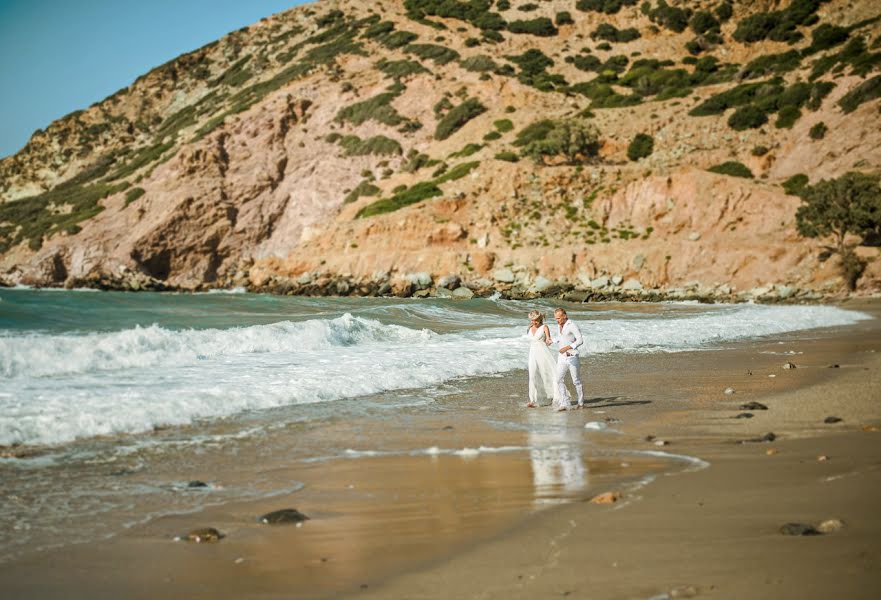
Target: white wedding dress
{"x":543,"y":371}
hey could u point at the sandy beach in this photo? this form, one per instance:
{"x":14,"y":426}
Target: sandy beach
{"x":455,"y":522}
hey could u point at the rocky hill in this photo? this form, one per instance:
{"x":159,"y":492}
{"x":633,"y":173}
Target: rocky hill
{"x":588,"y":147}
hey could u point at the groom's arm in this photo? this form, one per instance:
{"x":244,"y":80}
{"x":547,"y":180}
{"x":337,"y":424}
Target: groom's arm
{"x":578,"y":338}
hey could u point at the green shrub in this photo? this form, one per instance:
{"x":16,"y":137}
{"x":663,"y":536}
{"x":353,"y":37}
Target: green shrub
{"x":733,"y":169}
{"x":703,"y":21}
{"x":866,"y":91}
{"x":780,"y":25}
{"x":575,"y":140}
{"x":133,"y":194}
{"x":564,"y":18}
{"x":377,"y":145}
{"x":772,"y":64}
{"x":503,"y":5}
{"x":760,"y":150}
{"x":640,"y":147}
{"x":724,"y":11}
{"x":609,"y":7}
{"x":482,"y":63}
{"x":457,"y":172}
{"x":377,"y":108}
{"x":610,"y":33}
{"x":503,"y":125}
{"x":466,"y":151}
{"x":818,"y":131}
{"x":795,"y":184}
{"x":492,"y":136}
{"x":458,"y":117}
{"x":528,"y":7}
{"x":747,"y":117}
{"x":236,"y":75}
{"x":787,"y":117}
{"x":507,"y":156}
{"x":542,"y":27}
{"x":439,"y":55}
{"x":826,"y":36}
{"x":670,"y":17}
{"x":586,"y":62}
{"x":533,"y":71}
{"x":142,"y":158}
{"x":417,"y":193}
{"x":365,"y":188}
{"x":400,"y":68}
{"x":736,"y":96}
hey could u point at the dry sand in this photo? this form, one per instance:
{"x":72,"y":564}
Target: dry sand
{"x":453,"y":528}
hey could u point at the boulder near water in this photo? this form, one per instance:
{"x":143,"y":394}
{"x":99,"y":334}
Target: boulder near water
{"x":285,"y":516}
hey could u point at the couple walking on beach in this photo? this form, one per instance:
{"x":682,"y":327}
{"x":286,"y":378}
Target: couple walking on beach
{"x":547,"y":370}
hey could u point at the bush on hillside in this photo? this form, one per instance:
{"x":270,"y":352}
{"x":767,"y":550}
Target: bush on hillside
{"x":456,"y":118}
{"x":542,"y":27}
{"x":818,"y":131}
{"x":564,"y":18}
{"x":574,"y":140}
{"x":747,"y":117}
{"x":795,"y":184}
{"x":640,"y":147}
{"x":732,"y":168}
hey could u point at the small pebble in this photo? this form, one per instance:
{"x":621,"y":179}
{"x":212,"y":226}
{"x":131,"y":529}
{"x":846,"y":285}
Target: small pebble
{"x":753,"y":406}
{"x":831,"y":420}
{"x":239,"y":560}
{"x":771,"y":451}
{"x":729,"y":391}
{"x":789,"y":365}
{"x":798,"y":529}
{"x":661,"y":442}
{"x":744,"y":416}
{"x":833,"y":367}
{"x":870,"y":428}
{"x":605,"y":498}
{"x":830,"y":526}
{"x":772,"y":376}
{"x":822,"y":458}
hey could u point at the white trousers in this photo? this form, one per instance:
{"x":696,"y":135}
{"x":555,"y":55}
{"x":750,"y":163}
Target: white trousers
{"x":570,"y":364}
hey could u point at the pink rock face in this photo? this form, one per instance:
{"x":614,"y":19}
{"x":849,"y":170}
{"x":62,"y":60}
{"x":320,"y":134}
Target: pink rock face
{"x":262,"y":195}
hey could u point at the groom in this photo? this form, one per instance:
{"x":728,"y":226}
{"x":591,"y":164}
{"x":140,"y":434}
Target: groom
{"x":570,"y":339}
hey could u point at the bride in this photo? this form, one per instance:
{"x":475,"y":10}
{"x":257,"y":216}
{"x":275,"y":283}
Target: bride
{"x":542,"y":365}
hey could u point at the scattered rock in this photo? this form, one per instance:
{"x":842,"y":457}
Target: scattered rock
{"x":203,"y":535}
{"x":798,"y":529}
{"x":606,"y":498}
{"x":753,"y":406}
{"x":448,"y":428}
{"x":450,"y":282}
{"x":420,"y":280}
{"x":617,"y":279}
{"x":661,"y":442}
{"x":503,"y":275}
{"x":830,"y":420}
{"x":541,"y":284}
{"x":744,"y":415}
{"x":283,"y":517}
{"x":684,"y":591}
{"x":833,"y":367}
{"x":600,"y":282}
{"x":822,"y":458}
{"x":868,"y":428}
{"x":729,"y":391}
{"x":197,"y":484}
{"x":789,"y":365}
{"x":443,"y":292}
{"x":772,"y":376}
{"x":463,"y":293}
{"x":768,"y":437}
{"x":694,"y":236}
{"x":649,"y":438}
{"x":830,"y":526}
{"x":632,"y":284}
{"x":421,"y":293}
{"x":771,"y":451}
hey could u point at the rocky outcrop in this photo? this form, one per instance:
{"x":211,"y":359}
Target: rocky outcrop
{"x":234,"y":166}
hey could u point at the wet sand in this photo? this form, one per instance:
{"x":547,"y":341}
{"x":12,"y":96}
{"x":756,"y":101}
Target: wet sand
{"x":453,"y":526}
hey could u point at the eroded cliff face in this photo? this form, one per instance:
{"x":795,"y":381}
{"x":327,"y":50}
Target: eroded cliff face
{"x":250,"y":161}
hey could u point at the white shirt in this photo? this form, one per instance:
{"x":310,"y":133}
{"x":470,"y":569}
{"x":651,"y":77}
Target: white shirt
{"x":570,"y":335}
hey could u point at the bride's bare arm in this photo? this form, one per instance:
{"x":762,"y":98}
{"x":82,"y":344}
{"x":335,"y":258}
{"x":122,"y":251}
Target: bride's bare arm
{"x":548,"y":339}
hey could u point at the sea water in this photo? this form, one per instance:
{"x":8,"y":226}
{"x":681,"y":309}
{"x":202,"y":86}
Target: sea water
{"x":110,"y":401}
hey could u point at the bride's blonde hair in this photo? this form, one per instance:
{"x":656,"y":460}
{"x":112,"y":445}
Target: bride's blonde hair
{"x":536,"y":316}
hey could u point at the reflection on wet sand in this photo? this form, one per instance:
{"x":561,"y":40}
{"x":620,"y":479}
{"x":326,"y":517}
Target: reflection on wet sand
{"x":555,"y":454}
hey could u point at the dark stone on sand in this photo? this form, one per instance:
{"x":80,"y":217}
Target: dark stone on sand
{"x":768,"y":437}
{"x":753,"y":406}
{"x":197,"y":484}
{"x":283,"y":517}
{"x":649,"y":438}
{"x":204,"y":535}
{"x":744,"y":416}
{"x":448,"y":428}
{"x":831,"y":420}
{"x":799,"y":529}
{"x":833,"y":367}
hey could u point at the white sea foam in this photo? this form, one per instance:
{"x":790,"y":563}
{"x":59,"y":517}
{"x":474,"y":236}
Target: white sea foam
{"x":55,"y":388}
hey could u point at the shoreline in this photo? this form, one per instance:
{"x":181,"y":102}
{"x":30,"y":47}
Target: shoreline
{"x":647,"y":395}
{"x":504,"y":286}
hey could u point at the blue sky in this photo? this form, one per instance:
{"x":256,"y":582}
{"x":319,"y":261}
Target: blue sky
{"x":62,"y":55}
